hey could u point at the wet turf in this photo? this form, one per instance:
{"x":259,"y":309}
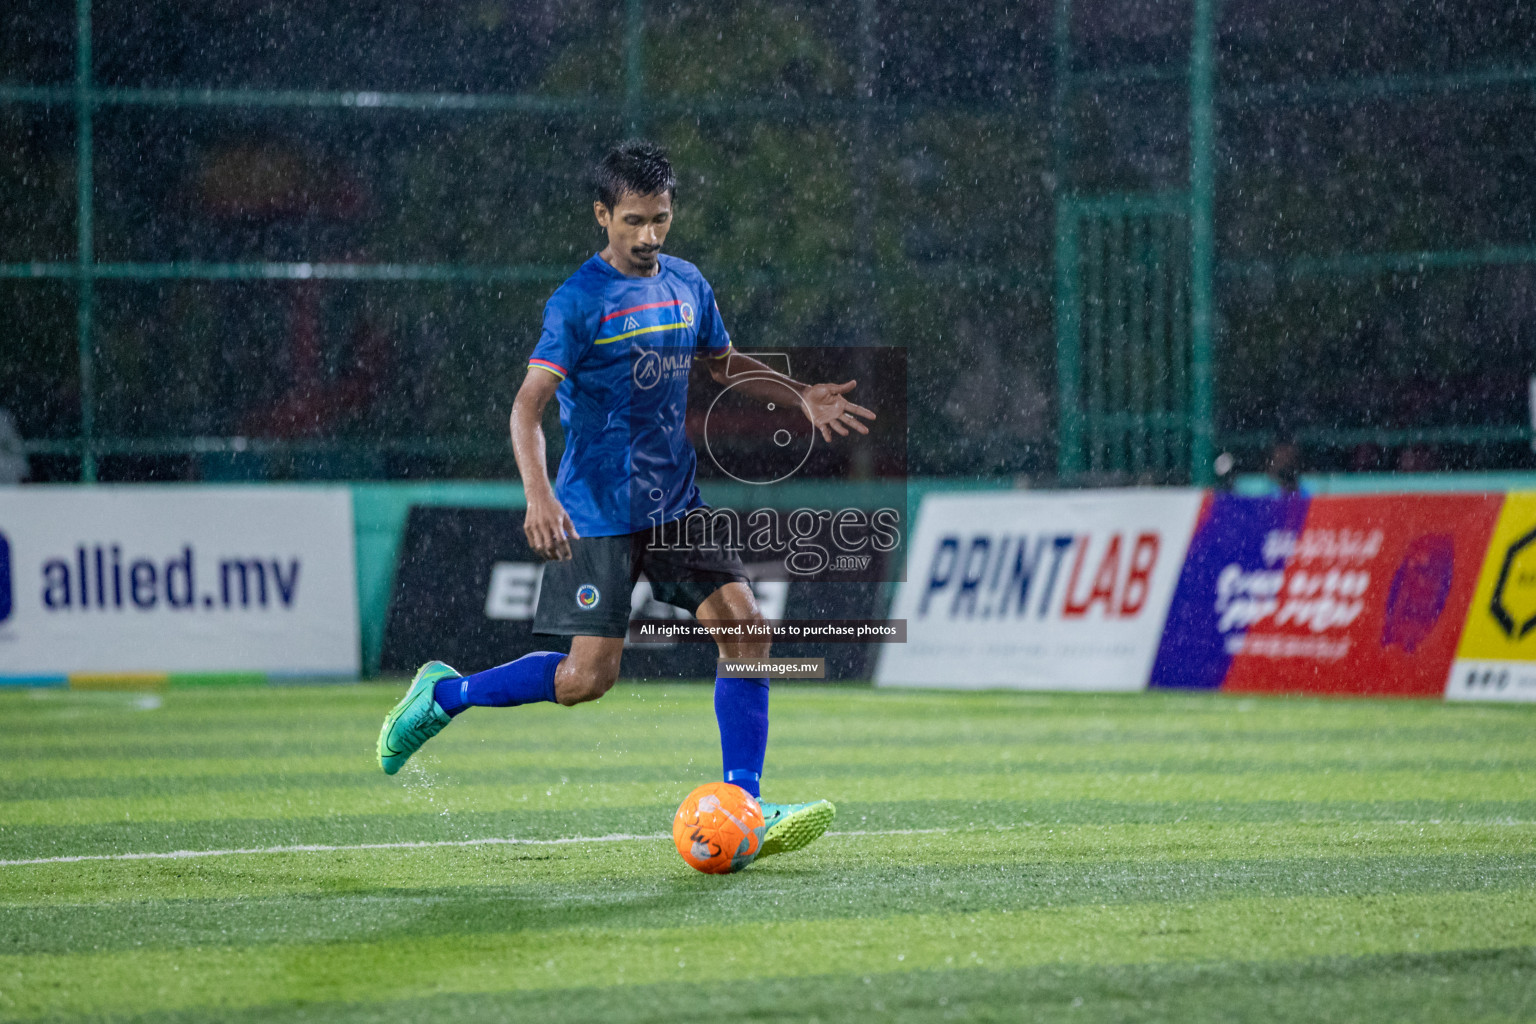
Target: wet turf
{"x":1085,"y":858}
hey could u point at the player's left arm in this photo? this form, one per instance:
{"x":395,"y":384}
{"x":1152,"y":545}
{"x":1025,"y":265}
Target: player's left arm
{"x":825,"y":405}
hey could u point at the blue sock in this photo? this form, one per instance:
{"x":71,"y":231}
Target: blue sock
{"x":741,"y":708}
{"x":527,"y":680}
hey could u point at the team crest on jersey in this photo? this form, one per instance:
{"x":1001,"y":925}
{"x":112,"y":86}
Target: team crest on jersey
{"x":687,"y":312}
{"x":587,"y":596}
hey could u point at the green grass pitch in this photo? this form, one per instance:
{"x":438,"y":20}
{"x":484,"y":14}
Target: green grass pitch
{"x":995,"y":857}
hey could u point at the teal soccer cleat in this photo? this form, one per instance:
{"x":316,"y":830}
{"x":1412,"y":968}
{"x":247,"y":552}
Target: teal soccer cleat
{"x":417,"y":718}
{"x":792,"y":827}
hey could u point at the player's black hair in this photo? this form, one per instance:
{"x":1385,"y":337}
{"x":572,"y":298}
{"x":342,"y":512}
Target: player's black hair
{"x":636,"y":167}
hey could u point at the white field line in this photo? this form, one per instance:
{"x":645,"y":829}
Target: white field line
{"x":616,"y":837}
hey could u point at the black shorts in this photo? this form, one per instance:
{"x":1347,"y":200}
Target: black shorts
{"x":589,"y":594}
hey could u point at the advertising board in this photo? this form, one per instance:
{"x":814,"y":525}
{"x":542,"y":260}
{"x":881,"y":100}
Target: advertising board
{"x":1341,"y":595}
{"x":115,"y":581}
{"x":1496,"y":658}
{"x":1232,"y":577}
{"x":468,"y":584}
{"x":1059,"y":591}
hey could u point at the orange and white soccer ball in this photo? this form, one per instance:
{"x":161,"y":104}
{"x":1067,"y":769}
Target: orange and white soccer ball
{"x":719,"y":828}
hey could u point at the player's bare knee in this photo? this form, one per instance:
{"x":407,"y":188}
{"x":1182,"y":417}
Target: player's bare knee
{"x":579,"y":691}
{"x":584,"y":689}
{"x":603,"y":680}
{"x":743,"y":651}
{"x":748,"y":647}
{"x":584,"y":683}
{"x":761,"y":646}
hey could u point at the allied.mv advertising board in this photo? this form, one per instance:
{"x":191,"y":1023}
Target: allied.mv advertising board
{"x":154,"y":580}
{"x":1061,"y":591}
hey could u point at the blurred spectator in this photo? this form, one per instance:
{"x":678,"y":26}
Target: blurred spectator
{"x":1226,"y":471}
{"x":1367,"y":458}
{"x":1285,"y":465}
{"x":1417,"y":458}
{"x":13,"y":455}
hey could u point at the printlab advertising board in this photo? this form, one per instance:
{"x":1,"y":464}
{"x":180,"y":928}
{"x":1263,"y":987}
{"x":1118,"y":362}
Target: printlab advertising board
{"x":1039,"y":591}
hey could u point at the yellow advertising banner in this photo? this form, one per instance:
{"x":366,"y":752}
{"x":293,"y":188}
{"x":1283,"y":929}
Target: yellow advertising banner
{"x":1496,"y":659}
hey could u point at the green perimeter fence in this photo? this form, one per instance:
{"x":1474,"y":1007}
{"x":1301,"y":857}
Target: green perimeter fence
{"x":1137,"y":278}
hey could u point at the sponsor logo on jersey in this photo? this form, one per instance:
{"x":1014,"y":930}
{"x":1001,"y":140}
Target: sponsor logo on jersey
{"x":647,"y":372}
{"x":651,"y":367}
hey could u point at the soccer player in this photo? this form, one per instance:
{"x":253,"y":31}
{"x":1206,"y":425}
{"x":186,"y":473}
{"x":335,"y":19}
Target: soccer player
{"x":620,"y":339}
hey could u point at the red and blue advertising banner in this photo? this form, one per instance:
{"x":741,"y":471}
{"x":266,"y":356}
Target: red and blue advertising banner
{"x":1230,"y":580}
{"x":1345,"y":595}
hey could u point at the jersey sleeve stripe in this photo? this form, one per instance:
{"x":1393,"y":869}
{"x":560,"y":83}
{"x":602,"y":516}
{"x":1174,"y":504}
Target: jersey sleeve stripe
{"x":545,"y":364}
{"x":722,"y":353}
{"x":640,"y":330}
{"x":637,"y":309}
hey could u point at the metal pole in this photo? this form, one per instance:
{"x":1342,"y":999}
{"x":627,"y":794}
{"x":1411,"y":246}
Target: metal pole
{"x":1202,"y":243}
{"x":85,"y":254}
{"x":634,"y":70}
{"x":1061,"y":41}
{"x":1069,"y":415}
{"x":1069,"y":421}
{"x":863,"y":166}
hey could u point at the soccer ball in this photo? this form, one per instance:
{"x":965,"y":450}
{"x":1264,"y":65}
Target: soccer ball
{"x":719,"y":828}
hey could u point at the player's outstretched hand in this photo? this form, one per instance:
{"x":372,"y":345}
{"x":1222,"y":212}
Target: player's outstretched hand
{"x":549,"y":529}
{"x":829,"y":410}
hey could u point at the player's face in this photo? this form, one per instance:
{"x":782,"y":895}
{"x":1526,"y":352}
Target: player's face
{"x":636,"y":226}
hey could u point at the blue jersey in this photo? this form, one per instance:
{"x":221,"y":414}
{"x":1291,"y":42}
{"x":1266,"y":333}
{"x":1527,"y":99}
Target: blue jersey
{"x":623,"y":348}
